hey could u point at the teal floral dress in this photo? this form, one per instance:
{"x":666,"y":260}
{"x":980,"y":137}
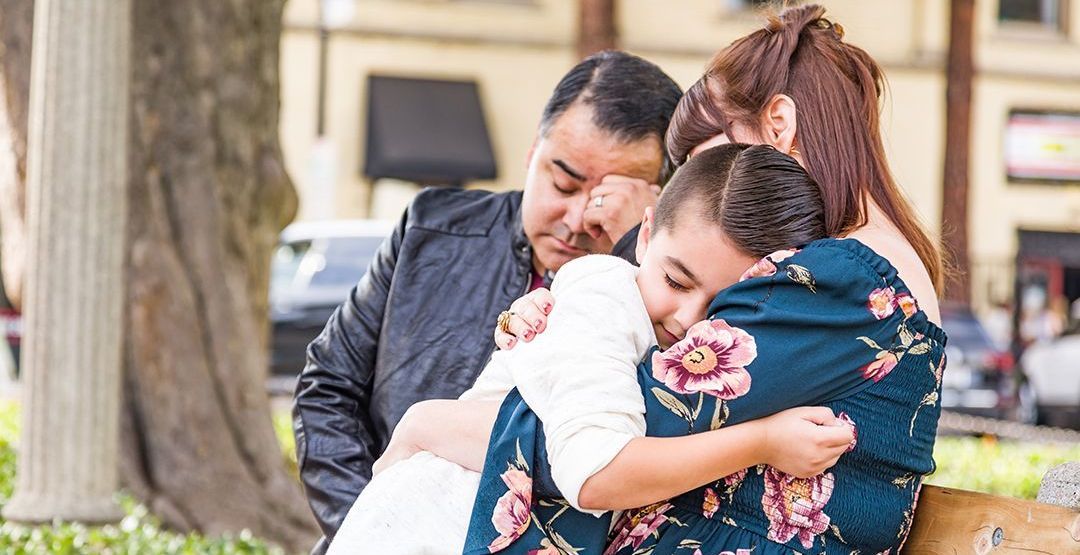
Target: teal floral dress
{"x":832,"y":325}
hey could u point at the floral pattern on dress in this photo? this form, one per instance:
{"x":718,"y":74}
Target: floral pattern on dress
{"x":513,"y":510}
{"x":734,"y":480}
{"x":710,"y":359}
{"x":906,"y":303}
{"x":886,"y":359}
{"x":882,"y":302}
{"x":795,"y":506}
{"x":883,"y":364}
{"x":803,"y":276}
{"x":728,"y":485}
{"x":545,"y":549}
{"x":931,"y":398}
{"x":711,"y":503}
{"x":636,"y":527}
{"x":909,"y":519}
{"x":517,"y":510}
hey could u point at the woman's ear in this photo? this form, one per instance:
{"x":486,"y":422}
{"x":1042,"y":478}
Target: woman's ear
{"x":644,"y":234}
{"x":779,"y":124}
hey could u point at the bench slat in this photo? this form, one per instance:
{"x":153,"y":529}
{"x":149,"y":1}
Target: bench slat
{"x":951,"y":521}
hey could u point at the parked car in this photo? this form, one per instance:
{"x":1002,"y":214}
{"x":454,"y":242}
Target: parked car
{"x":1053,"y":368}
{"x":981,"y":379}
{"x":315,"y":267}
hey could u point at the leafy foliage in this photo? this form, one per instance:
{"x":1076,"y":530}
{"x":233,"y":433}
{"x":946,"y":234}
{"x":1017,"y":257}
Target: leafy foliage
{"x":138,"y":533}
{"x":1003,"y":467}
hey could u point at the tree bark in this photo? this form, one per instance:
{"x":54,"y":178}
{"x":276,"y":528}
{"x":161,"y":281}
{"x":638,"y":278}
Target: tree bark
{"x":596,"y":27}
{"x":954,"y":209}
{"x":208,"y":194}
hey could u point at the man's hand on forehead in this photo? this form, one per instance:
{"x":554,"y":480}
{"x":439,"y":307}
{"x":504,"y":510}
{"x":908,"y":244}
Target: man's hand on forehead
{"x":617,"y":204}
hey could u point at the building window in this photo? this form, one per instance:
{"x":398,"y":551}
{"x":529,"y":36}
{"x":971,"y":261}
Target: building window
{"x":1048,"y":15}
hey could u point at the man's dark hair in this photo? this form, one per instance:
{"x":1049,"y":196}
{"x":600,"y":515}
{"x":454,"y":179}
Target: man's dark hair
{"x":762,"y":199}
{"x":631,"y":98}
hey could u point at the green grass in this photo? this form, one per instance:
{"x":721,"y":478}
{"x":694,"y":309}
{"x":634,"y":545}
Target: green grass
{"x":997,"y":467}
{"x":283,"y":429}
{"x":1007,"y":468}
{"x":138,"y":533}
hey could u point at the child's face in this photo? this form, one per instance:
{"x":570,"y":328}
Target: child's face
{"x":682,"y":269}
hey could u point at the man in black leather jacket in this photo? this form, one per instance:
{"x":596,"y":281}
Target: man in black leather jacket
{"x":419,"y":324}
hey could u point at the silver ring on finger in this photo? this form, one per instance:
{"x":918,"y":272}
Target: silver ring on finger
{"x":598,"y":201}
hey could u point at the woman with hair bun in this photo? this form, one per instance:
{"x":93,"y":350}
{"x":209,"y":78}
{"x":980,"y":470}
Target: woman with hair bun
{"x":797,"y":86}
{"x":849,"y":323}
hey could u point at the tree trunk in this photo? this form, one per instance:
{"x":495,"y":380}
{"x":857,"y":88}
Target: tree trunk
{"x":596,"y":27}
{"x":16,"y":26}
{"x":208,"y":196}
{"x":954,"y":210}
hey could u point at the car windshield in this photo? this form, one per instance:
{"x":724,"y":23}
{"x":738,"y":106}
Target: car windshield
{"x":345,"y":261}
{"x":286,"y":263}
{"x":965,"y":331}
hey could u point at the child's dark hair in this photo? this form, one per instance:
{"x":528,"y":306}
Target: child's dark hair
{"x":762,"y":199}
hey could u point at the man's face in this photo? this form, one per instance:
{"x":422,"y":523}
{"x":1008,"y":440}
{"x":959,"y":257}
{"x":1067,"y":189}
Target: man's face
{"x":564,"y":166}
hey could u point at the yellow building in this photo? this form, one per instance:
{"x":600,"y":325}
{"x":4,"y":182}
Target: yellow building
{"x":1027,"y":59}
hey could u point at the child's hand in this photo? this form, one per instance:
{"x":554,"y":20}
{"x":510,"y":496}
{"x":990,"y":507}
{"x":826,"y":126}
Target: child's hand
{"x":528,"y":317}
{"x":805,"y":441}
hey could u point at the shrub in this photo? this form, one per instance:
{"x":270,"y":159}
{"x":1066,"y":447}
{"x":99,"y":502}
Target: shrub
{"x":1006,"y":468}
{"x":138,"y":533}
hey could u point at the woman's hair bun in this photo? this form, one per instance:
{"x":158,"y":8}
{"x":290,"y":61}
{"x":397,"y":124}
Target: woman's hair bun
{"x":795,"y":20}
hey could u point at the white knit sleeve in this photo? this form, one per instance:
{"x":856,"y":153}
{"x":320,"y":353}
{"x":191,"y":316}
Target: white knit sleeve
{"x":580,"y":375}
{"x":494,"y":381}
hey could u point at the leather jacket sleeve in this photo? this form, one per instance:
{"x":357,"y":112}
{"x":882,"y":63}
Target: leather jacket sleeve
{"x":335,"y":441}
{"x":626,"y":246}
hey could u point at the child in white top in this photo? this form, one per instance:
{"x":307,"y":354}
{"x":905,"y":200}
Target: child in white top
{"x":580,"y":376}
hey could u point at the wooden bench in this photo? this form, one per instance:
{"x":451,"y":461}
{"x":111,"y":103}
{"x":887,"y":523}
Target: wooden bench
{"x":952,"y":521}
